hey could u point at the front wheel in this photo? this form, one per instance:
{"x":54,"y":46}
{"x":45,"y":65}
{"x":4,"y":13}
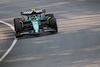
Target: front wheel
{"x":18,"y":26}
{"x":53,"y":25}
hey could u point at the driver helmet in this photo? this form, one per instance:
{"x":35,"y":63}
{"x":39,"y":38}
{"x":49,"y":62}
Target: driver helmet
{"x":33,"y":17}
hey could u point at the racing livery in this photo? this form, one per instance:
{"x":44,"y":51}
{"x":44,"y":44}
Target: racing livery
{"x":35,"y":22}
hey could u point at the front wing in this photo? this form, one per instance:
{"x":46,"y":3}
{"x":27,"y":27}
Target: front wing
{"x":31,"y":32}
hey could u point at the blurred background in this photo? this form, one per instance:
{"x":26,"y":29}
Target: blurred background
{"x":77,"y":43}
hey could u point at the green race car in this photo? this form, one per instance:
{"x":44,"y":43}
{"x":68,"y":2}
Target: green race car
{"x":35,"y":22}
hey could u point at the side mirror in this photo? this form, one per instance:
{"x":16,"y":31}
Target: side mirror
{"x":21,"y":13}
{"x":44,"y":11}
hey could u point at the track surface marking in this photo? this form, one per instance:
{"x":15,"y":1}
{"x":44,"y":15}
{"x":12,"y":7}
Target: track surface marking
{"x":13,"y":43}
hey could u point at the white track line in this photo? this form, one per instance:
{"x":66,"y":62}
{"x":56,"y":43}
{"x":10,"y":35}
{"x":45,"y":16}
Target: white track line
{"x":13,"y":43}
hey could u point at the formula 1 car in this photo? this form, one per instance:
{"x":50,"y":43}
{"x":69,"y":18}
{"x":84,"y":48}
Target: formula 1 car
{"x":35,"y":22}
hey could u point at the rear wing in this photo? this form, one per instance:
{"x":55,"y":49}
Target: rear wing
{"x":33,"y":12}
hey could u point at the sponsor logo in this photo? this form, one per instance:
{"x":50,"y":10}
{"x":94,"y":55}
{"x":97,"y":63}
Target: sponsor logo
{"x":28,"y":12}
{"x":38,"y":11}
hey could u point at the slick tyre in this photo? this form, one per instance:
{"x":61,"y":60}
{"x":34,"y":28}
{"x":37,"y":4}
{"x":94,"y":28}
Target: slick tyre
{"x":18,"y":26}
{"x":53,"y":24}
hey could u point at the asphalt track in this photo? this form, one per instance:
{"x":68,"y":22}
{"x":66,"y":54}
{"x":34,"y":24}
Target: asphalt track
{"x":77,"y":44}
{"x":12,"y":45}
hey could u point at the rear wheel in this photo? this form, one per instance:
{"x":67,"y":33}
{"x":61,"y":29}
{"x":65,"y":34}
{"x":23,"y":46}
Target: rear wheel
{"x":18,"y":26}
{"x":53,"y":24}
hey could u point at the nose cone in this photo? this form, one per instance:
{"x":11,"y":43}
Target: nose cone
{"x":35,"y":24}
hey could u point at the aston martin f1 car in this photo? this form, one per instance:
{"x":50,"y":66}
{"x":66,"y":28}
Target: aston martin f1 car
{"x":35,"y":22}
